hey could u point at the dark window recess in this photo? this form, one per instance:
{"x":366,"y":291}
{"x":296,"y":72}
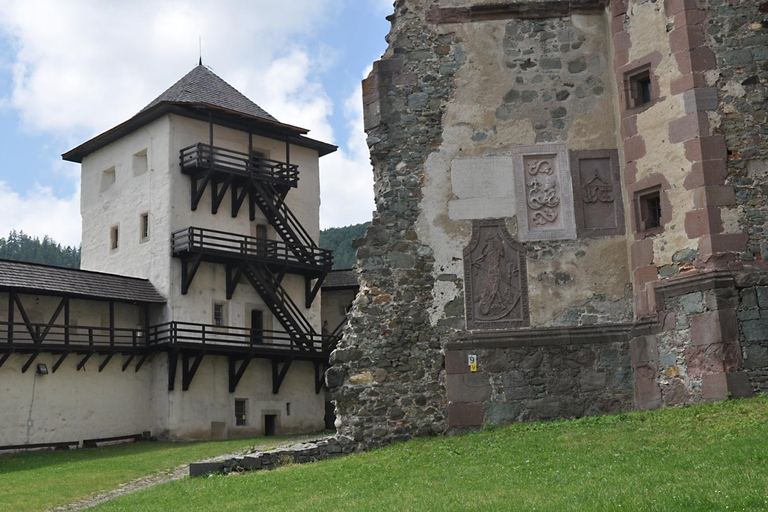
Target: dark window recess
{"x":648,"y":206}
{"x":640,"y":88}
{"x":270,"y":424}
{"x":261,"y":231}
{"x":218,"y":314}
{"x":257,"y":326}
{"x":257,"y":158}
{"x":144,"y":227}
{"x":241,"y":411}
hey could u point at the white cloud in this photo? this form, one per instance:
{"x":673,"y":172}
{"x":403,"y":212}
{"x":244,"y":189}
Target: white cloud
{"x":82,"y":66}
{"x":38,"y":212}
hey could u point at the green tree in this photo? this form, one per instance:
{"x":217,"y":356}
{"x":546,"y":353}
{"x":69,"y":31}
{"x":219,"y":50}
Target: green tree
{"x":22,"y":247}
{"x":339,"y":240}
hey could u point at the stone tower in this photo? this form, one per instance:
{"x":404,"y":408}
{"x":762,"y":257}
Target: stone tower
{"x":572,"y":195}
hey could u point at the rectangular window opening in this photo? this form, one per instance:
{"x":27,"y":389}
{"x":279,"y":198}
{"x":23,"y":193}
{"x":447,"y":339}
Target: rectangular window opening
{"x":114,"y":238}
{"x":140,"y":163}
{"x":218,"y":314}
{"x":648,"y":209}
{"x":107,"y":179}
{"x":639,"y":87}
{"x":241,"y":412}
{"x":144,"y":227}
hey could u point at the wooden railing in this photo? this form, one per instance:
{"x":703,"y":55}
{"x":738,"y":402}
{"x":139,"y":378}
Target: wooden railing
{"x":76,"y":337}
{"x":204,"y":156}
{"x":195,"y":240}
{"x":214,"y":336}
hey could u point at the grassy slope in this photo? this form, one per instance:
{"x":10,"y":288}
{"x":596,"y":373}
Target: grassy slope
{"x":698,"y":458}
{"x":41,"y":480}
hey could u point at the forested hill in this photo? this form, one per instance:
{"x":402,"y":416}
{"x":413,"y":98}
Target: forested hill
{"x":339,"y":240}
{"x":22,"y":247}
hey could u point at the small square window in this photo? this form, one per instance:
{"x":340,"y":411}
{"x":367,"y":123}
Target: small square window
{"x":639,"y":87}
{"x":144,"y":227}
{"x":114,"y":238}
{"x":648,"y":209}
{"x":241,"y":412}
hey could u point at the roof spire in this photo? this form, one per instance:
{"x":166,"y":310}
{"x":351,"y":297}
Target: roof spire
{"x":200,"y":43}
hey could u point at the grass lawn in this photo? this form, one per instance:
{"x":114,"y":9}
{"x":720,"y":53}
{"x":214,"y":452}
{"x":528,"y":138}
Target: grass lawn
{"x":711,"y":457}
{"x":41,"y":480}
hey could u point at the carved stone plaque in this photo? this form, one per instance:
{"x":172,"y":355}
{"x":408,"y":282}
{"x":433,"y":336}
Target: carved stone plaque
{"x":599,"y":209}
{"x":543,"y":190}
{"x":495,"y":278}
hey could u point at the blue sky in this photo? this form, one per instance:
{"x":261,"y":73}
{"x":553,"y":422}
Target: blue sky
{"x":70,"y":70}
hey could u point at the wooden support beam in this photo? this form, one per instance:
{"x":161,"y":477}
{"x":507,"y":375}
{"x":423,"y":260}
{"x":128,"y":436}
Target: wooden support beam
{"x":188,"y":273}
{"x":141,"y":361}
{"x":311,"y":292}
{"x":173,"y":360}
{"x":233,"y":275}
{"x":198,"y":189}
{"x":239,"y":197}
{"x":5,"y":357}
{"x":146,"y":324}
{"x":111,"y":323}
{"x":29,"y":362}
{"x":59,"y":361}
{"x":106,"y":361}
{"x":66,"y":320}
{"x":235,"y":374}
{"x":25,"y":317}
{"x":319,"y":376}
{"x":287,"y":151}
{"x":251,"y":203}
{"x":187,"y":371}
{"x":51,"y":322}
{"x":278,"y":374}
{"x":127,"y":363}
{"x":11,"y":310}
{"x":218,"y":195}
{"x":84,"y":360}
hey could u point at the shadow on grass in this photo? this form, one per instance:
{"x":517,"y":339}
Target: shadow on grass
{"x":30,"y":461}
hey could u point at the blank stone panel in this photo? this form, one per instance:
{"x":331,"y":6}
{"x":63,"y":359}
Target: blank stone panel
{"x":484,"y":188}
{"x":543,"y":190}
{"x":598,"y":205}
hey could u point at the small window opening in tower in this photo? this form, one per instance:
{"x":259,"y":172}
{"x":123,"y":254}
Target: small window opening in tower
{"x":648,"y":209}
{"x":107,"y":179}
{"x":241,"y":412}
{"x":218,"y":314}
{"x":140,"y":163}
{"x":144,"y":227}
{"x":640,"y":88}
{"x":114,"y":238}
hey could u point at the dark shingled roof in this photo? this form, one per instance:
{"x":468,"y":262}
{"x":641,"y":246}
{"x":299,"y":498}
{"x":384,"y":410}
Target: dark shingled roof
{"x":341,"y":279}
{"x":44,"y":279}
{"x":202,"y":86}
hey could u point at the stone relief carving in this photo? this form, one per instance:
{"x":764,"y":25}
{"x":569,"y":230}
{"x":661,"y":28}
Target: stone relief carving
{"x":599,"y":209}
{"x":597,"y":190}
{"x":543,"y":198}
{"x":495,"y":278}
{"x":543,"y":190}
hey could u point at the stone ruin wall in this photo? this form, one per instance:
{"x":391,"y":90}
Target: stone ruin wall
{"x":466,"y":93}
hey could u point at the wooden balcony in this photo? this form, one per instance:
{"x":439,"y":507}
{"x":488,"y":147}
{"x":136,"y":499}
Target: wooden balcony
{"x":34,"y":338}
{"x":195,"y":341}
{"x":227,"y":340}
{"x":222,"y":247}
{"x":228,"y":163}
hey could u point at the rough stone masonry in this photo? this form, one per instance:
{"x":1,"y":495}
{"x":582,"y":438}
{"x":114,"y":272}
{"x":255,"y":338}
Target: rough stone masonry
{"x":571,"y":195}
